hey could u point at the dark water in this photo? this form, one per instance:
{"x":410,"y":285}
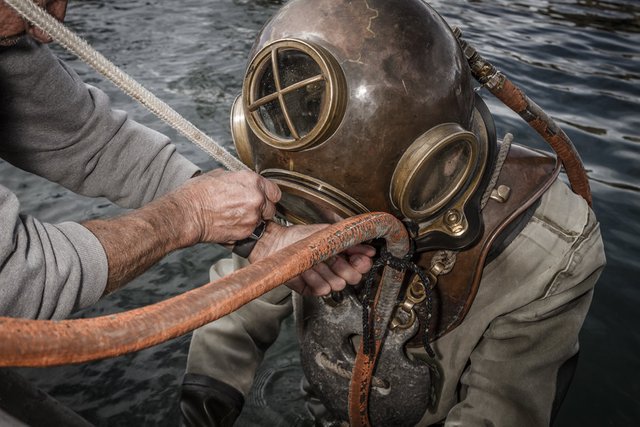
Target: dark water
{"x":579,"y":59}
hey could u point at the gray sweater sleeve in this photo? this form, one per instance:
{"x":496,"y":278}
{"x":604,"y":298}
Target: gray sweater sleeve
{"x":46,"y":271}
{"x":55,"y":126}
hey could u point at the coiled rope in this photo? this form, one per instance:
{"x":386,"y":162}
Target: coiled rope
{"x":79,"y":47}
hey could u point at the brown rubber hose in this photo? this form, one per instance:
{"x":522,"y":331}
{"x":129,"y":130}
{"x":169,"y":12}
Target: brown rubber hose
{"x":513,"y":97}
{"x":47,"y":342}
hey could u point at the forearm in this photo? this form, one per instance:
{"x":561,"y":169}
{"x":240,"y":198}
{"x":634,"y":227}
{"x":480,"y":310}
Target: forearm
{"x":216,"y":207}
{"x":135,"y":241}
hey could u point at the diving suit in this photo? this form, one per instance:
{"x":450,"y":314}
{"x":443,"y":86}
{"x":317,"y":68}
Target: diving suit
{"x":354,"y":107}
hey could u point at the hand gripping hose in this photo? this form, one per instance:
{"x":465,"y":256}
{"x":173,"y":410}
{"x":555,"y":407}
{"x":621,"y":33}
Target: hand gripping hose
{"x":47,"y":342}
{"x":72,"y":42}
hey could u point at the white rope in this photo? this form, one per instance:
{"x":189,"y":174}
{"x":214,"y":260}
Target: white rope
{"x":72,"y":42}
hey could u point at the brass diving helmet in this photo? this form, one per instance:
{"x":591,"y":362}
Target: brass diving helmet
{"x":352,"y":107}
{"x":359,"y":106}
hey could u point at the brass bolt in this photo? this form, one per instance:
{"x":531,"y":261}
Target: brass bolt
{"x":452,"y":217}
{"x":501,"y":194}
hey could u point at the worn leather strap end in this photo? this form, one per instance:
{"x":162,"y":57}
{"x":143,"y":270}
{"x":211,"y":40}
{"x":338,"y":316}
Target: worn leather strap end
{"x":244,"y":247}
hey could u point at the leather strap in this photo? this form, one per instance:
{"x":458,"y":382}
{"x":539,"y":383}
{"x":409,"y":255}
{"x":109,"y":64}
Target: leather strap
{"x":364,"y":365}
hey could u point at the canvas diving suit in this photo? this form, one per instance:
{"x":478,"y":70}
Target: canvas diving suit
{"x":502,"y":364}
{"x":356,"y":107}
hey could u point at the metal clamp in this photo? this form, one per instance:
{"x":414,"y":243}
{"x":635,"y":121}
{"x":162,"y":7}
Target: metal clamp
{"x":415,"y":294}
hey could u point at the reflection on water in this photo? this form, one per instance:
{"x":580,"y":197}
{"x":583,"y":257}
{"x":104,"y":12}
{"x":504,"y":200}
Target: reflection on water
{"x":603,"y":15}
{"x":580,"y":60}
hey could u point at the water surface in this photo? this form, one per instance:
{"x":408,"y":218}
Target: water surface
{"x":580,"y":60}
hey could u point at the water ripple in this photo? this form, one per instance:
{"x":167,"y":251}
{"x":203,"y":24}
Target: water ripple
{"x":578,"y":59}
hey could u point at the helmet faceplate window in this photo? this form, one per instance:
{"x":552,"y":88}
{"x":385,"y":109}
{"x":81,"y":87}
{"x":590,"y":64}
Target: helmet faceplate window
{"x":292,"y":95}
{"x":439,"y":177}
{"x":436,"y":169}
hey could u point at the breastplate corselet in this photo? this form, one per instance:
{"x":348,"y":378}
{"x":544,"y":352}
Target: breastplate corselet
{"x":404,"y":386}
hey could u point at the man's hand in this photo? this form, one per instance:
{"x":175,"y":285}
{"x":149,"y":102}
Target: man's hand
{"x":223,"y":207}
{"x":330,"y":276}
{"x":216,"y":207}
{"x":12,"y":25}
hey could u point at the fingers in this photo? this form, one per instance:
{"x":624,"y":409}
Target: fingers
{"x":38,"y":34}
{"x":318,"y":281}
{"x":271,"y":190}
{"x":11,"y":25}
{"x":361,"y":263}
{"x":362,"y":248}
{"x":298,"y":285}
{"x":342,"y":269}
{"x":228,"y":206}
{"x":333,"y":275}
{"x":316,"y":285}
{"x":268,"y":210}
{"x":57,"y":9}
{"x":272,"y":195}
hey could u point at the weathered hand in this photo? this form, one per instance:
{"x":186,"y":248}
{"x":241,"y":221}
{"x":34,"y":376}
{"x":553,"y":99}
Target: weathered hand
{"x":12,"y":25}
{"x":215,"y":207}
{"x":324,"y":278}
{"x":223,"y":207}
